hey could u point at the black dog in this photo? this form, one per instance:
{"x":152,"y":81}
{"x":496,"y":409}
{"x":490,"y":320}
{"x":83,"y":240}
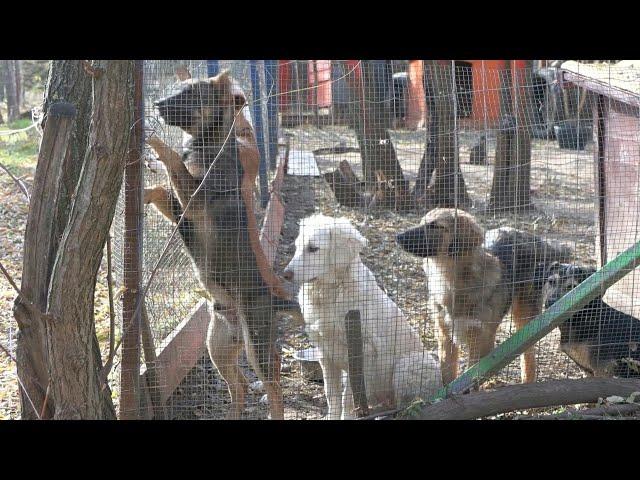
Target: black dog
{"x":603,"y":341}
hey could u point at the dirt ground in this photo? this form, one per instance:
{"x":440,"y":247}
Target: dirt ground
{"x":13,"y":215}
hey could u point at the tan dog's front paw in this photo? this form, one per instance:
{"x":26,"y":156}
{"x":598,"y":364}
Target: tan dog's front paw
{"x":154,"y":142}
{"x":155,"y":195}
{"x":166,"y":154}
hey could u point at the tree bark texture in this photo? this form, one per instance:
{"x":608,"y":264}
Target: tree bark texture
{"x":440,"y":181}
{"x":525,"y":396}
{"x":372,"y":118}
{"x":11,"y":88}
{"x":73,"y":363}
{"x":511,"y":185}
{"x":66,"y":232}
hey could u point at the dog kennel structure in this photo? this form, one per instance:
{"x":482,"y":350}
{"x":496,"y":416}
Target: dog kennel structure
{"x":478,"y":85}
{"x":581,"y":198}
{"x":615,"y":115}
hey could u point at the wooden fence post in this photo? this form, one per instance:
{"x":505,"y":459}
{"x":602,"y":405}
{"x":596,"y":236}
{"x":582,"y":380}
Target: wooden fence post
{"x":355,"y":356}
{"x":132,"y":267}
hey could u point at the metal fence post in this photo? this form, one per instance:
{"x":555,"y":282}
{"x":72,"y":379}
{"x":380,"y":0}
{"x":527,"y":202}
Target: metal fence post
{"x":213,"y":68}
{"x":271,"y":80}
{"x":257,"y":120}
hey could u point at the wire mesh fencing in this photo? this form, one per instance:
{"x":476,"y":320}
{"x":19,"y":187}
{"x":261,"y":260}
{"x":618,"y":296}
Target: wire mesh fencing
{"x":336,"y":239}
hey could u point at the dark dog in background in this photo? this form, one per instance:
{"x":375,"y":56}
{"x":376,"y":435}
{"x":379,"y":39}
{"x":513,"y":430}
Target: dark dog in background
{"x":603,"y":341}
{"x":473,"y":280}
{"x":216,"y":231}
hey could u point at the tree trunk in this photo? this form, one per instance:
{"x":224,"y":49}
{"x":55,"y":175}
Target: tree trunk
{"x":440,"y":181}
{"x":501,"y":197}
{"x":19,"y":85}
{"x":13,"y":107}
{"x":428,"y":163}
{"x":524,"y":114}
{"x":64,"y":239}
{"x":511,"y":186}
{"x":74,"y":368}
{"x":54,"y":184}
{"x":3,"y":76}
{"x":372,"y":119}
{"x":531,"y":395}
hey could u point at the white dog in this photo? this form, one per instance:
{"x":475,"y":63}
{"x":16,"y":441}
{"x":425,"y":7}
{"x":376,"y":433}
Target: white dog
{"x":396,"y":367}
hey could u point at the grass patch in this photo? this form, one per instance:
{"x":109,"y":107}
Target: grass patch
{"x":16,"y":124}
{"x":19,"y":152}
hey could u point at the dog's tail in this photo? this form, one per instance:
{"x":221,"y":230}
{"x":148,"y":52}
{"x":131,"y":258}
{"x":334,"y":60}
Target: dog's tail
{"x":416,"y":374}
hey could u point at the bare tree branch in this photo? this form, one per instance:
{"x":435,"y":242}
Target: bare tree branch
{"x":10,"y":280}
{"x":21,"y":185}
{"x":112,"y":315}
{"x":8,"y":353}
{"x":525,"y":396}
{"x":24,"y":300}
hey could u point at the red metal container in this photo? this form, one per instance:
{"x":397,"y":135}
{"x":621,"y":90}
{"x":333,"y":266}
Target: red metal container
{"x":319,"y":74}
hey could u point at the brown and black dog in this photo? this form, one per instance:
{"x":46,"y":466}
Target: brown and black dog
{"x":474,"y":279}
{"x":602,"y":340}
{"x":220,"y":233}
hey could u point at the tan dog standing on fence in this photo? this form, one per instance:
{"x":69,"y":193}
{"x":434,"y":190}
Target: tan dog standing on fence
{"x":473,"y":280}
{"x":220,"y":233}
{"x":249,"y":157}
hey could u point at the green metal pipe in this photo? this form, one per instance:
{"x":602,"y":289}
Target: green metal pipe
{"x":544,"y":323}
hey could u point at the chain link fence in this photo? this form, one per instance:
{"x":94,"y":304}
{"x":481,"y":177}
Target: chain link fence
{"x":342,"y":238}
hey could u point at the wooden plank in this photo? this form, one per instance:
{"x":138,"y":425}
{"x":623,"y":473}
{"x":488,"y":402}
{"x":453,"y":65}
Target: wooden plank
{"x":621,"y":202}
{"x":624,"y":75}
{"x":626,"y":91}
{"x":302,"y":163}
{"x":179,"y":352}
{"x":599,"y":109}
{"x":274,"y":216}
{"x":132,"y":264}
{"x":353,"y":330}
